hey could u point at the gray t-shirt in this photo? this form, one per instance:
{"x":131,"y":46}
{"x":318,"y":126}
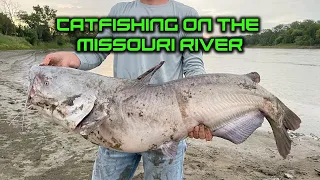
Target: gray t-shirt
{"x":132,"y":64}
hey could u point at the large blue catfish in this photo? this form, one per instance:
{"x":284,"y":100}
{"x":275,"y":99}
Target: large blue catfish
{"x":135,"y":116}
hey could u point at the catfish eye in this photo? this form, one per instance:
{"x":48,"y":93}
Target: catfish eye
{"x":46,"y":83}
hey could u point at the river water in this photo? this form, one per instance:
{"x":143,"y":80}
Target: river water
{"x":290,"y":74}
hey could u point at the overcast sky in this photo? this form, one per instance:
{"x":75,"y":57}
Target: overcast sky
{"x":272,"y":12}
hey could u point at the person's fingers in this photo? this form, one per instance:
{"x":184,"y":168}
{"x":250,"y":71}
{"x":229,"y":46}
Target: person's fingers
{"x":196,"y":132}
{"x":54,"y":59}
{"x":46,"y":60}
{"x":64,"y":59}
{"x":208,"y":134}
{"x":202,"y":135}
{"x":190,"y":134}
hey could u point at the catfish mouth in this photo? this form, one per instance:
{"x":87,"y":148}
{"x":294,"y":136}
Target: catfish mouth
{"x":58,"y":112}
{"x":69,"y":112}
{"x":42,"y":103}
{"x":45,"y":104}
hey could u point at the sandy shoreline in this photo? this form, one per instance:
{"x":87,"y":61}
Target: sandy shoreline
{"x":43,"y":150}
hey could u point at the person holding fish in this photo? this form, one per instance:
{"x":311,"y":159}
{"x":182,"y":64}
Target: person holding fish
{"x":111,"y":164}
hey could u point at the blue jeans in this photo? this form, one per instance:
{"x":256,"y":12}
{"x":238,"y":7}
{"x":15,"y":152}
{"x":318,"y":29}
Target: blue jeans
{"x":114,"y":165}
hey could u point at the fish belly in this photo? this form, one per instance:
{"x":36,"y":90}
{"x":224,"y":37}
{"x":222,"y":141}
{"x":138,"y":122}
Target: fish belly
{"x":230,"y":114}
{"x":142,"y":121}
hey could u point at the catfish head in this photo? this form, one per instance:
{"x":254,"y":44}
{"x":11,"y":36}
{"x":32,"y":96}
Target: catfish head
{"x":62,"y":93}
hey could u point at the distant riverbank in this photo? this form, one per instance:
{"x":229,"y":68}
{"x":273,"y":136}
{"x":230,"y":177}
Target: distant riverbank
{"x":20,"y":43}
{"x":285,"y":46}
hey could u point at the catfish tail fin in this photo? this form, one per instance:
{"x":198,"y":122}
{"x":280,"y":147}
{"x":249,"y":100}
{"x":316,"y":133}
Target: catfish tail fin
{"x":281,"y":119}
{"x":291,"y":121}
{"x":282,"y":138}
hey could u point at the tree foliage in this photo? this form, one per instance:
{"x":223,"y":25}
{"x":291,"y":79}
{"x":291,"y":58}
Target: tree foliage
{"x":9,"y":8}
{"x":41,"y":20}
{"x":6,"y":25}
{"x":302,"y":33}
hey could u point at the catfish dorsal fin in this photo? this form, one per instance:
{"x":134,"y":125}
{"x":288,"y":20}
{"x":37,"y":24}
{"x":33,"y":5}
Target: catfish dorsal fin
{"x":146,"y":77}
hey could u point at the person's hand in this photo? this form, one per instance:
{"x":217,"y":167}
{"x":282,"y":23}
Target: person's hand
{"x":64,"y":59}
{"x":201,"y":132}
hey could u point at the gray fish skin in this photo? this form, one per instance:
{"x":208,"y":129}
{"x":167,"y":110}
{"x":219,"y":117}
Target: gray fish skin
{"x":135,"y":116}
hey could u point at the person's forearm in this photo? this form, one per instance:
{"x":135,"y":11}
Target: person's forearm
{"x":90,"y":60}
{"x":193,"y":64}
{"x":192,"y":61}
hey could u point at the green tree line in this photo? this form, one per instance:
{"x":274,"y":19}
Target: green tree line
{"x":37,"y":27}
{"x":300,"y":33}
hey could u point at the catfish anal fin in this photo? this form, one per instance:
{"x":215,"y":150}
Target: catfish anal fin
{"x":240,"y":129}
